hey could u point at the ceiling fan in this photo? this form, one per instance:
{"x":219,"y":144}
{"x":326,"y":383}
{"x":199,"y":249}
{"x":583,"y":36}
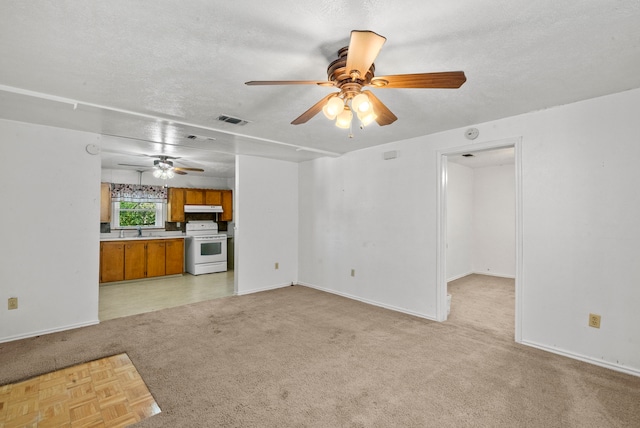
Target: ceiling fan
{"x":353,"y":70}
{"x":163,"y":167}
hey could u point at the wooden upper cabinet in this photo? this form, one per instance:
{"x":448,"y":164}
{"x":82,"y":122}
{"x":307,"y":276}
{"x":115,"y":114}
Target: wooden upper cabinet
{"x":194,"y":197}
{"x":105,"y":202}
{"x":178,"y":197}
{"x":134,"y":259}
{"x":227,"y":205}
{"x":213,"y":197}
{"x":175,"y":204}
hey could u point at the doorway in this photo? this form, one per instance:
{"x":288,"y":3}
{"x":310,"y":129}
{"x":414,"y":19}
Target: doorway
{"x":479,"y":222}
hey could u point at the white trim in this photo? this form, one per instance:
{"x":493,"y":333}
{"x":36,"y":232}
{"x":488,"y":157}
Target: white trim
{"x":115,"y":217}
{"x":460,"y":276}
{"x":498,"y":275}
{"x":441,"y":204}
{"x":48,"y":331}
{"x":267,"y":288}
{"x":580,"y":357}
{"x":481,"y":273}
{"x":76,"y":103}
{"x":369,"y":302}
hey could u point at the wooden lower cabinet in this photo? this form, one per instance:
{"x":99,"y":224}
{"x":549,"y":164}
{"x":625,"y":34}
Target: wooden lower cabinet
{"x":136,"y":259}
{"x":156,"y":253}
{"x":174,"y":256}
{"x":111,"y":261}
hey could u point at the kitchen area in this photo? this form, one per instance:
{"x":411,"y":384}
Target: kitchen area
{"x":175,"y":251}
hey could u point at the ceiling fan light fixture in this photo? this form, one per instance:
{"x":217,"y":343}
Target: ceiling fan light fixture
{"x":367,"y":117}
{"x":333,"y":108}
{"x":163,"y":173}
{"x":328,"y":113}
{"x":344,"y":119}
{"x":360,"y":103}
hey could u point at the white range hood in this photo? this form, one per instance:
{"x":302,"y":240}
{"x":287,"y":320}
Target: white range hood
{"x":203,"y":208}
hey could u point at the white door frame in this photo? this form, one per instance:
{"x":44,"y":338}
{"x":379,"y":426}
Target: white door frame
{"x":441,"y":273}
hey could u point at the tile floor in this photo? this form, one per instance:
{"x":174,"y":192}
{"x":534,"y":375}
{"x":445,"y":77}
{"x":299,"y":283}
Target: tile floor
{"x":135,"y":297}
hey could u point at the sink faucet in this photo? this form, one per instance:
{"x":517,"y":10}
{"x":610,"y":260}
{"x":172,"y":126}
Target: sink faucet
{"x":139,"y":231}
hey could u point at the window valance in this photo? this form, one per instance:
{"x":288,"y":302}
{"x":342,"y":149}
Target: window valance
{"x":137,"y":193}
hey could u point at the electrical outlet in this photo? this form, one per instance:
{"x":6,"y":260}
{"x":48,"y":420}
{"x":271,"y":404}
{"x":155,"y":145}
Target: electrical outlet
{"x":594,"y":320}
{"x":353,"y":272}
{"x":13,"y":303}
{"x":277,"y":265}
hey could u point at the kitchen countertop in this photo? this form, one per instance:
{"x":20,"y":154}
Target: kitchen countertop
{"x":112,"y":237}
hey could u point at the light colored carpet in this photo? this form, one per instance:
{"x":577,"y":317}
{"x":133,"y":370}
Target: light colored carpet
{"x":300,"y":357}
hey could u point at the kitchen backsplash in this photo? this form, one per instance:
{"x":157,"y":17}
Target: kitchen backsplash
{"x":173,"y":226}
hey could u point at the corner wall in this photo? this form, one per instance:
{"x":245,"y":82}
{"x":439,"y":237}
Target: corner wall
{"x":49,"y":250}
{"x":580,"y":225}
{"x":494,"y":216}
{"x":266,"y":224}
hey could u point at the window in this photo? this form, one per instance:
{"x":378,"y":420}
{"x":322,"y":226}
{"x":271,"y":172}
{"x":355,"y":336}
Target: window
{"x":137,"y":214}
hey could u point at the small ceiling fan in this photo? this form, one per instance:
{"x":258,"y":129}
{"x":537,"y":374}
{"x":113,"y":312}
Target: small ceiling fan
{"x":353,"y":70}
{"x":163,"y":167}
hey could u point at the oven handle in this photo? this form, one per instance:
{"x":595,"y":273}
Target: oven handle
{"x":209,"y":238}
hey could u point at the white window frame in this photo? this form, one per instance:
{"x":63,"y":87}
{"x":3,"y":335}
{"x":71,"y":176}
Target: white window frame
{"x":115,"y":217}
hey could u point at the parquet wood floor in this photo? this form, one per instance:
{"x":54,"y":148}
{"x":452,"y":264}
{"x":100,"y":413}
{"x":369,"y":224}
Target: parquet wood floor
{"x":104,"y":393}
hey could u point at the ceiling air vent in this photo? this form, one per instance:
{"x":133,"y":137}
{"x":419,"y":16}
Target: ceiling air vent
{"x":232,"y":120}
{"x":199,"y":138}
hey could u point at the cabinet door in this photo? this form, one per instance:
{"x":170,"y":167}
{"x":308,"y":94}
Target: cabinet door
{"x":175,"y":204}
{"x":175,"y":257}
{"x":134,"y":259}
{"x":212,"y":197}
{"x":105,"y":202}
{"x":227,"y":205}
{"x":111,"y":261}
{"x":156,"y":253}
{"x":194,"y":197}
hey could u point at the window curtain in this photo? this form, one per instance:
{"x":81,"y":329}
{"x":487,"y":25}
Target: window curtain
{"x":137,"y":193}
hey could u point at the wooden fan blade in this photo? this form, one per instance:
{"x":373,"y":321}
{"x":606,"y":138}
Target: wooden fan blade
{"x":364,"y":47}
{"x":447,"y":80}
{"x":289,"y":82}
{"x":179,"y":168}
{"x":179,"y":172}
{"x":315,"y":109}
{"x":385,"y":116}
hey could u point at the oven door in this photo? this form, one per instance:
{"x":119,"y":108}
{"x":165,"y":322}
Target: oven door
{"x":209,"y":249}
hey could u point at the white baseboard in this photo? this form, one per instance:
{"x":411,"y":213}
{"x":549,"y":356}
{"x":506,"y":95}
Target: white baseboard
{"x":47,"y":331}
{"x":369,"y":302}
{"x":499,"y":275}
{"x":257,"y":290}
{"x":459,"y":276}
{"x":606,"y":364}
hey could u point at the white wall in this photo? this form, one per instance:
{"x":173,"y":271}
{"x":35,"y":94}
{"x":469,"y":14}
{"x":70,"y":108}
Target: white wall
{"x":494,"y":216}
{"x":49,"y":245}
{"x":460,"y":232}
{"x":266,"y":221}
{"x":580,"y":226}
{"x":375,"y":216}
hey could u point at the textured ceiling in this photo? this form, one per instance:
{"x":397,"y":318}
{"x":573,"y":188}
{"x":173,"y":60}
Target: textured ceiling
{"x":157,"y":71}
